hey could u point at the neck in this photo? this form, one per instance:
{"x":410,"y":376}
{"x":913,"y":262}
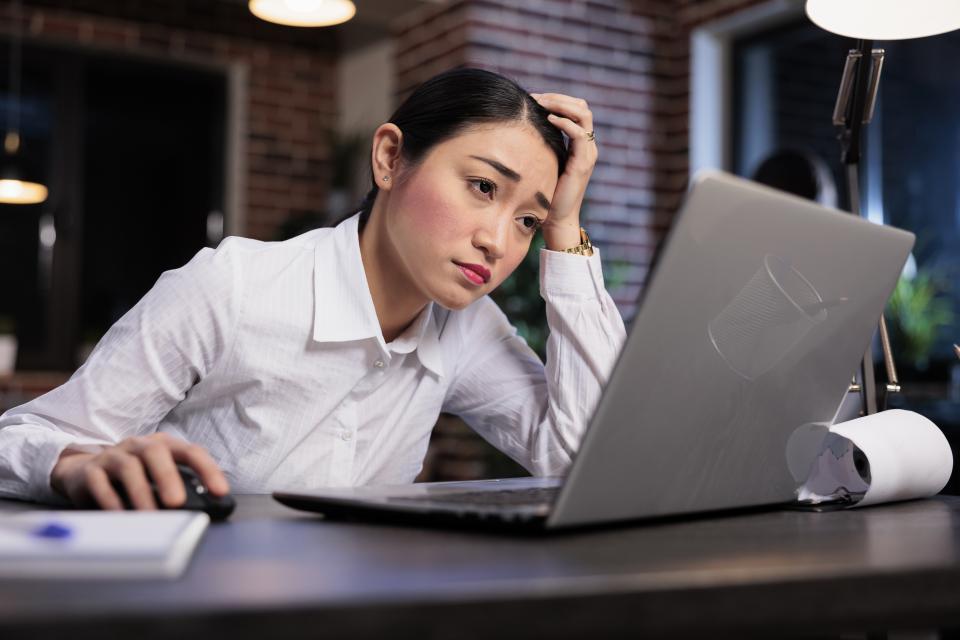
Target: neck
{"x":395,"y":298}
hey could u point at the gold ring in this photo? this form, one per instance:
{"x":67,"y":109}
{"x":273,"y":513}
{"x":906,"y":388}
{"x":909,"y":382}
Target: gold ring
{"x":591,"y":137}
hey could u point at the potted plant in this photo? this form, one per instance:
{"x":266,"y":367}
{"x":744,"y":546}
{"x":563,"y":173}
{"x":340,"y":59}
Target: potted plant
{"x":917,"y":311}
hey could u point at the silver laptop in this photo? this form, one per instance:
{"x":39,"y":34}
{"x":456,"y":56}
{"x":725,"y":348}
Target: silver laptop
{"x":759,"y":309}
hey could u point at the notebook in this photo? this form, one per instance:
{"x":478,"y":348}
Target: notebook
{"x":99,"y":544}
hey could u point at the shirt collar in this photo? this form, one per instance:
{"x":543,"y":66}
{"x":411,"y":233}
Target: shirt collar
{"x":343,"y":307}
{"x":423,"y":335}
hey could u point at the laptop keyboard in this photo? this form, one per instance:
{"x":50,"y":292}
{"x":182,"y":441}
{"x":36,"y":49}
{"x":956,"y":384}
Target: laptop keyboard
{"x":532,"y":496}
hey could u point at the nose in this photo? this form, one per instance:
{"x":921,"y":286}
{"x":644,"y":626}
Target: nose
{"x":491,"y":236}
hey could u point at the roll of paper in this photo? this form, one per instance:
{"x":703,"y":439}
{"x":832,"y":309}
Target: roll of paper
{"x":888,"y":456}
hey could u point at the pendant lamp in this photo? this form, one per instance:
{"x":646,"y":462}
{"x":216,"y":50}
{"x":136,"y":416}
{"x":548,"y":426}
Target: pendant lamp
{"x":15,"y":188}
{"x":303,"y":13}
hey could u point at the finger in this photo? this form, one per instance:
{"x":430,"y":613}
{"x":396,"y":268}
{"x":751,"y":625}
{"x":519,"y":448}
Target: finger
{"x":573,"y":130}
{"x":128,"y":469}
{"x":575,"y":109}
{"x":200,"y":461}
{"x":98,"y":490}
{"x":561,"y":100}
{"x":159,"y":463}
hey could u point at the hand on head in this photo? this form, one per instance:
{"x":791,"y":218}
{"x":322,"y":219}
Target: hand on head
{"x":573,"y":117}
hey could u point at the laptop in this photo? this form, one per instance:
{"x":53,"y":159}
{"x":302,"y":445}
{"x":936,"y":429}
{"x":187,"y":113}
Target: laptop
{"x":758,"y":311}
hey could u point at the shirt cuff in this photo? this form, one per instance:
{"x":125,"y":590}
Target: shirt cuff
{"x":571,"y":274}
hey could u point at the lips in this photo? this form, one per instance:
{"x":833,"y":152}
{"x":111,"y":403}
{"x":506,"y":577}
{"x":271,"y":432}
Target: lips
{"x":476,"y":273}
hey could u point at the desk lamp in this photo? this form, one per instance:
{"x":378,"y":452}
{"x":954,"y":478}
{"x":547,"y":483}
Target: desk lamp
{"x":867,"y":21}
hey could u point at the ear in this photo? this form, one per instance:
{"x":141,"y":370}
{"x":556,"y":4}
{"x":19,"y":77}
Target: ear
{"x":385,"y":154}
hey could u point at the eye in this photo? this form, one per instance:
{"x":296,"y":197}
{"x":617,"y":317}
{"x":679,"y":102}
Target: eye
{"x":530,"y":223}
{"x":485,"y":188}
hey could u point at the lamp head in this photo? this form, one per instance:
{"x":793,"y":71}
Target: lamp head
{"x":885,"y":19}
{"x":303,"y":13}
{"x":13,"y":188}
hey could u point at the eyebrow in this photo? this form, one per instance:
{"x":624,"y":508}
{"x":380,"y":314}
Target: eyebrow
{"x":509,"y":173}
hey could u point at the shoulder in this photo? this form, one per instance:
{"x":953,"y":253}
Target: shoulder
{"x":240,"y":250}
{"x":236,"y":257}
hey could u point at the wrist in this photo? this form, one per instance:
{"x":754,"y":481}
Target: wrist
{"x":68,"y":461}
{"x":562,"y":236}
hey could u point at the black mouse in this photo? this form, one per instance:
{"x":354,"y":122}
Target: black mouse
{"x":198,"y":497}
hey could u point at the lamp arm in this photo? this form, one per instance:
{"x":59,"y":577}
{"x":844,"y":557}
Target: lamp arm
{"x":854,"y":108}
{"x":857,"y":104}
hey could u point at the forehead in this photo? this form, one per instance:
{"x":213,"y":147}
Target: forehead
{"x":517,"y":146}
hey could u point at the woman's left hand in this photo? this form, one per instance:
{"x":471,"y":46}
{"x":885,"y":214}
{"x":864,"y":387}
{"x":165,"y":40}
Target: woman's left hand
{"x":572,"y":116}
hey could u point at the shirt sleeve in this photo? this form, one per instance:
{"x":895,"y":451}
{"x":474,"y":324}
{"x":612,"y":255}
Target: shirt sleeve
{"x":143,"y":366}
{"x":537,"y":413}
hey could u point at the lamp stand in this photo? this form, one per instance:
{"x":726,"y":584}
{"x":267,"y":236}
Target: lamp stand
{"x":854,"y":108}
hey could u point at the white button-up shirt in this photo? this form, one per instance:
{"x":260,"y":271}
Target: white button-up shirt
{"x":270,"y":355}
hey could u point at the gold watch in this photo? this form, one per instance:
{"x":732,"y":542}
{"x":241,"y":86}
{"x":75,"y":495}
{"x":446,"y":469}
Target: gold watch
{"x":585,"y":248}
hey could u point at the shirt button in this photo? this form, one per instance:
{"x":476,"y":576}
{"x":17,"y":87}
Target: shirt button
{"x":378,"y":364}
{"x":345,"y":436}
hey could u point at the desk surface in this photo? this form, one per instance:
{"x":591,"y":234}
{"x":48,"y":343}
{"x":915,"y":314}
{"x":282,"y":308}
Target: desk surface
{"x":278,"y":572}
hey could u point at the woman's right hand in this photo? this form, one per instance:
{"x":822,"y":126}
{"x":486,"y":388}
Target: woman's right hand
{"x":87,"y":479}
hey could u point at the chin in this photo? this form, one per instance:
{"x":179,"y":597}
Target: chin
{"x":455,"y":301}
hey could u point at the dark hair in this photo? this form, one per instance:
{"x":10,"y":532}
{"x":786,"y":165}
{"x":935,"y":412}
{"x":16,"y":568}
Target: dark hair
{"x":445,"y":105}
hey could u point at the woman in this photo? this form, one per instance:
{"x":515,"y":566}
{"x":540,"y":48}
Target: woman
{"x":325,"y":360}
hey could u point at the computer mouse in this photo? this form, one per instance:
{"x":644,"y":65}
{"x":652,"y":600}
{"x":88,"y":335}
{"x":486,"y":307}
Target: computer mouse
{"x":198,"y":497}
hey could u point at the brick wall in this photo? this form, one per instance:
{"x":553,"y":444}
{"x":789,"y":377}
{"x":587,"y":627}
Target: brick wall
{"x":628,"y":58}
{"x":289,"y":99}
{"x":678,"y":19}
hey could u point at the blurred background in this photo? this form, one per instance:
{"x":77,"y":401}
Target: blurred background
{"x":161,"y":126}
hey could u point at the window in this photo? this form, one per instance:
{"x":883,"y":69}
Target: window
{"x":133,"y":153}
{"x":785,"y":86}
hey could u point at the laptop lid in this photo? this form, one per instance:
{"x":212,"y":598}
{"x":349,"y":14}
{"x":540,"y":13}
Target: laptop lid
{"x":759,"y":311}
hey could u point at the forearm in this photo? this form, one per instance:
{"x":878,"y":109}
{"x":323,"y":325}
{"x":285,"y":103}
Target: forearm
{"x":586,"y":335}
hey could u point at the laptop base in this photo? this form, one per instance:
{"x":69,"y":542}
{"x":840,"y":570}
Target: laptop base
{"x":359,"y":511}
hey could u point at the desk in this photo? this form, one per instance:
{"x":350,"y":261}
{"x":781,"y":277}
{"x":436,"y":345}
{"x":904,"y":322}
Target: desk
{"x":271,"y":572}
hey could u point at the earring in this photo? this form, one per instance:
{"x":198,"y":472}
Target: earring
{"x":386,"y":178}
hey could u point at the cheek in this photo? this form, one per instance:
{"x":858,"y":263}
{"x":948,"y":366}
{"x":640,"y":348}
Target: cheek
{"x":431,"y":212}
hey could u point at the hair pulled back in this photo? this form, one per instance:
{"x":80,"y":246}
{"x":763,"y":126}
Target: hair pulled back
{"x":455,"y":100}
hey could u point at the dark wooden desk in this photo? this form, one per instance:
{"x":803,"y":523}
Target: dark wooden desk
{"x":276,"y":573}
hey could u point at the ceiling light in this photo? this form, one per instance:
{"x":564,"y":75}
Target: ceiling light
{"x":14,"y":190}
{"x":303,"y":13}
{"x":20,"y":192}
